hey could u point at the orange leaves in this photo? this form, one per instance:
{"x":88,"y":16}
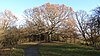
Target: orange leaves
{"x":71,"y":9}
{"x":55,"y":10}
{"x":71,"y":22}
{"x":52,"y":12}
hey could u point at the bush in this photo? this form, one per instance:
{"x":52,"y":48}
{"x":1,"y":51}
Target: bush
{"x":9,"y":42}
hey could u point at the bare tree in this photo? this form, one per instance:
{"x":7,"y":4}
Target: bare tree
{"x":7,"y":20}
{"x":48,"y":18}
{"x":82,"y":18}
{"x":94,"y":27}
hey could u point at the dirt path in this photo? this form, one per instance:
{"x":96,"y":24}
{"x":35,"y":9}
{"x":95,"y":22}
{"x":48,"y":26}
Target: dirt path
{"x":32,"y":51}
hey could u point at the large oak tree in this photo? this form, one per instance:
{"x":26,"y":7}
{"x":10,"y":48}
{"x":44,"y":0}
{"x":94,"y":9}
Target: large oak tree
{"x":48,"y":18}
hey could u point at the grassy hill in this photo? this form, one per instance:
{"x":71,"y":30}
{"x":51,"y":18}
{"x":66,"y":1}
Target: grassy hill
{"x":60,"y":49}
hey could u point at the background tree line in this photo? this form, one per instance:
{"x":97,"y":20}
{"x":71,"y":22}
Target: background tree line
{"x":51,"y":22}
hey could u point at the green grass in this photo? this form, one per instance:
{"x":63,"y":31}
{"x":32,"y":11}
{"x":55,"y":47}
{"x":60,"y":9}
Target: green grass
{"x":17,"y":51}
{"x":53,"y":49}
{"x":13,"y":52}
{"x":23,"y":46}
